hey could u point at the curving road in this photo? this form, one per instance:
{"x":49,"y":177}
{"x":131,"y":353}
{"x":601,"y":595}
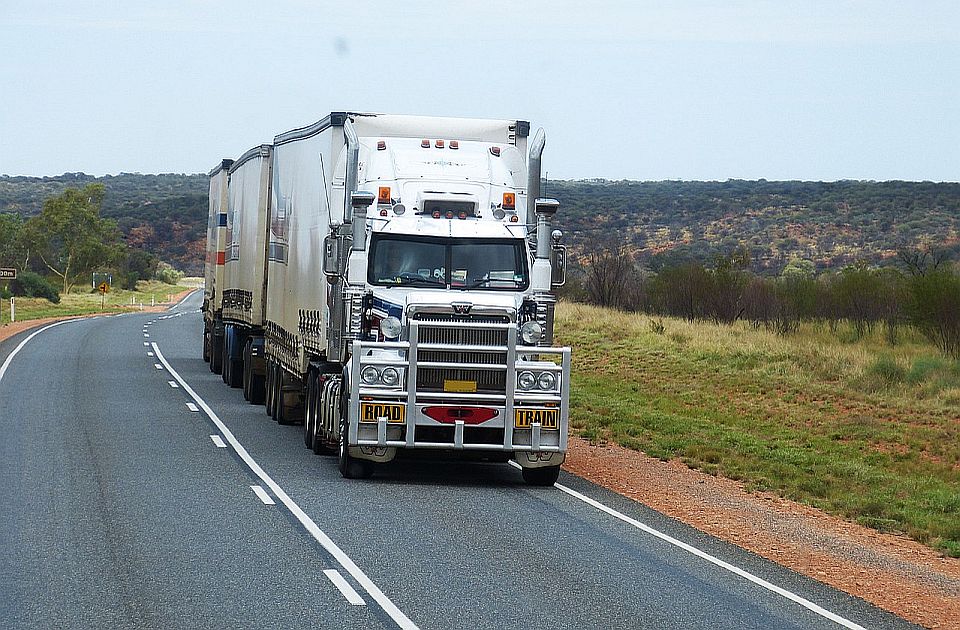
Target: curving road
{"x":139,"y":491}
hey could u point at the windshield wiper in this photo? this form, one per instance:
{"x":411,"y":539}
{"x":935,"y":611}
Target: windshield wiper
{"x":486,"y":281}
{"x":417,"y":279}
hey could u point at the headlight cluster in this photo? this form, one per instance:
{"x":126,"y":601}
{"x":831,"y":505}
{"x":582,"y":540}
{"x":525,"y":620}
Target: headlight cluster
{"x":545,"y":381}
{"x":388,"y":376}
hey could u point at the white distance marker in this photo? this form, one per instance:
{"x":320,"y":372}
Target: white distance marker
{"x":344,"y":587}
{"x":218,"y":441}
{"x":192,"y":407}
{"x":262,"y":494}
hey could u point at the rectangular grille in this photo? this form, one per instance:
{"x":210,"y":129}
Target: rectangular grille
{"x":489,"y":381}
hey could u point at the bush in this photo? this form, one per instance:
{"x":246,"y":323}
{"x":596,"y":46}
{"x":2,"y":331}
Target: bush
{"x":166,"y":273}
{"x":30,"y":284}
{"x":5,"y":293}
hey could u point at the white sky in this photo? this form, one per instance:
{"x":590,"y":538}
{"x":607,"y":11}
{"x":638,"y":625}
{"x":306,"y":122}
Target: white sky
{"x":625,"y":90}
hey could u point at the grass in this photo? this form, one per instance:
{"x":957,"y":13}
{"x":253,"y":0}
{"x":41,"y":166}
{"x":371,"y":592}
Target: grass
{"x":83,"y":302}
{"x":864,"y":430}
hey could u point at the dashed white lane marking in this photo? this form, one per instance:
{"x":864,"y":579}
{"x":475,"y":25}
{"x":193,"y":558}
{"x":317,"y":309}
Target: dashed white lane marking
{"x":146,"y":335}
{"x":173,"y":384}
{"x":348,"y":591}
{"x":262,"y":494}
{"x":218,"y":441}
{"x":149,"y":354}
{"x":308,"y":523}
{"x":806,"y":603}
{"x":192,"y":407}
{"x":158,"y":366}
{"x":146,"y":343}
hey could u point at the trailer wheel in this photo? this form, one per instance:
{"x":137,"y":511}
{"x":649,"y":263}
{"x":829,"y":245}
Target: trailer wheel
{"x":269,"y":389}
{"x":246,"y":371}
{"x":216,"y":353}
{"x":546,"y":476}
{"x":232,"y":368}
{"x":253,"y":386}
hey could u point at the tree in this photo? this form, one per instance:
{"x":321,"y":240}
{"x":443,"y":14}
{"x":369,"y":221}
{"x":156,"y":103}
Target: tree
{"x":70,"y":237}
{"x":12,"y":250}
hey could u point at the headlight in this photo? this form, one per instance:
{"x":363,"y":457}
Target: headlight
{"x":546,"y":381}
{"x":390,"y":376}
{"x":526,"y":380}
{"x":390,"y":327}
{"x":370,"y":375}
{"x":531,"y":332}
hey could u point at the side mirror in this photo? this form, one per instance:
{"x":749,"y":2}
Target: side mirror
{"x":331,"y":257}
{"x":558,"y":265}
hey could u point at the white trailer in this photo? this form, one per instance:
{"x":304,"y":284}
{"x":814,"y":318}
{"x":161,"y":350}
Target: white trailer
{"x":213,"y":266}
{"x":244,"y":275}
{"x":425,"y":323}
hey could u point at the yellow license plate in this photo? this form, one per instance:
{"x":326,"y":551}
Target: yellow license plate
{"x":372,"y":412}
{"x":461,"y":387}
{"x":548,"y":418}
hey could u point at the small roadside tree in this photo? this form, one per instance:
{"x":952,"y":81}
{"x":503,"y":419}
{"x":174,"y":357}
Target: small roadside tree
{"x":70,"y":237}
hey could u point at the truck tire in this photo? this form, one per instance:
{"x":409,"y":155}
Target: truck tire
{"x":350,"y":467}
{"x":253,"y":389}
{"x":216,"y":353}
{"x":232,"y":368}
{"x":268,"y":403}
{"x":309,"y":419}
{"x":206,"y":347}
{"x":224,"y":356}
{"x":546,"y":476}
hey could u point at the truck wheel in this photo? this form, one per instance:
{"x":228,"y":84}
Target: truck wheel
{"x":351,"y":467}
{"x":546,"y":476}
{"x":309,"y":421}
{"x":206,"y":347}
{"x":246,"y":371}
{"x":216,"y":353}
{"x":269,"y":389}
{"x":253,"y":389}
{"x":233,"y":368}
{"x":224,"y":356}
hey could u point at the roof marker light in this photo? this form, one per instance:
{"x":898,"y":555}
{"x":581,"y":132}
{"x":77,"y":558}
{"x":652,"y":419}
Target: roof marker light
{"x":383,"y":212}
{"x":509,"y":201}
{"x":454,"y":144}
{"x":383,"y":194}
{"x":381,"y":145}
{"x":449,"y":214}
{"x":495,"y":151}
{"x":438,"y":144}
{"x":436,"y":214}
{"x":462,"y":215}
{"x":425,"y":144}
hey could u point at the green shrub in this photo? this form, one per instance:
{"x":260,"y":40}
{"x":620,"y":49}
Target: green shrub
{"x":166,"y":273}
{"x":885,"y":371}
{"x":30,"y":284}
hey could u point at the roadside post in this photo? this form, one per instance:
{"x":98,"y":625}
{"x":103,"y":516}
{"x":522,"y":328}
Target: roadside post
{"x":7,"y":274}
{"x":104,"y":288}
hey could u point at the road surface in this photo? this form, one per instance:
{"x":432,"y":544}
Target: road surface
{"x":139,"y":491}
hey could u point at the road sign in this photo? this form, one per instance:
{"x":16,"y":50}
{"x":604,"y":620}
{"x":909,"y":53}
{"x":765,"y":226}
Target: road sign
{"x":104,"y":288}
{"x":8,"y":273}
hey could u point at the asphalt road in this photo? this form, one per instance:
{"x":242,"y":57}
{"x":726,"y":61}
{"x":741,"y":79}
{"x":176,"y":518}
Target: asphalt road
{"x":119,"y":508}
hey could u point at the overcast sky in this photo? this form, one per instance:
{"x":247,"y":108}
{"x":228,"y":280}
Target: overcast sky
{"x":819,"y":90}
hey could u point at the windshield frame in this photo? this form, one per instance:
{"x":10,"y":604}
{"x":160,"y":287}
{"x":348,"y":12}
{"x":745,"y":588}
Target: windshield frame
{"x":520,"y":252}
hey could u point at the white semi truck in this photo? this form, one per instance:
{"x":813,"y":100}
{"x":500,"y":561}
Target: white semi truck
{"x":389,"y":278}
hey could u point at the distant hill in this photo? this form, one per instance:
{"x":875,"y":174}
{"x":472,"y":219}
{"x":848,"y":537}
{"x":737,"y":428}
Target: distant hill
{"x":829,"y":223}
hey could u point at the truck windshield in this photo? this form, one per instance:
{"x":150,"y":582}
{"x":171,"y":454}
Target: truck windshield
{"x":404,"y":260}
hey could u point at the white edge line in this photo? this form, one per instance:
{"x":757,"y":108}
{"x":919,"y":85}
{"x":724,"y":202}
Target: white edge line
{"x":344,"y":587}
{"x":6,"y":363}
{"x":806,"y":603}
{"x":318,"y":534}
{"x":218,"y":441}
{"x":262,"y":495}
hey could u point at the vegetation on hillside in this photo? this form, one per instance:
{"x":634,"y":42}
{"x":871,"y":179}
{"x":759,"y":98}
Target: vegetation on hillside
{"x":830,"y":224}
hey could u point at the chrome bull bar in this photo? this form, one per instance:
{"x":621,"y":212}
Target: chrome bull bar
{"x":407,"y":361}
